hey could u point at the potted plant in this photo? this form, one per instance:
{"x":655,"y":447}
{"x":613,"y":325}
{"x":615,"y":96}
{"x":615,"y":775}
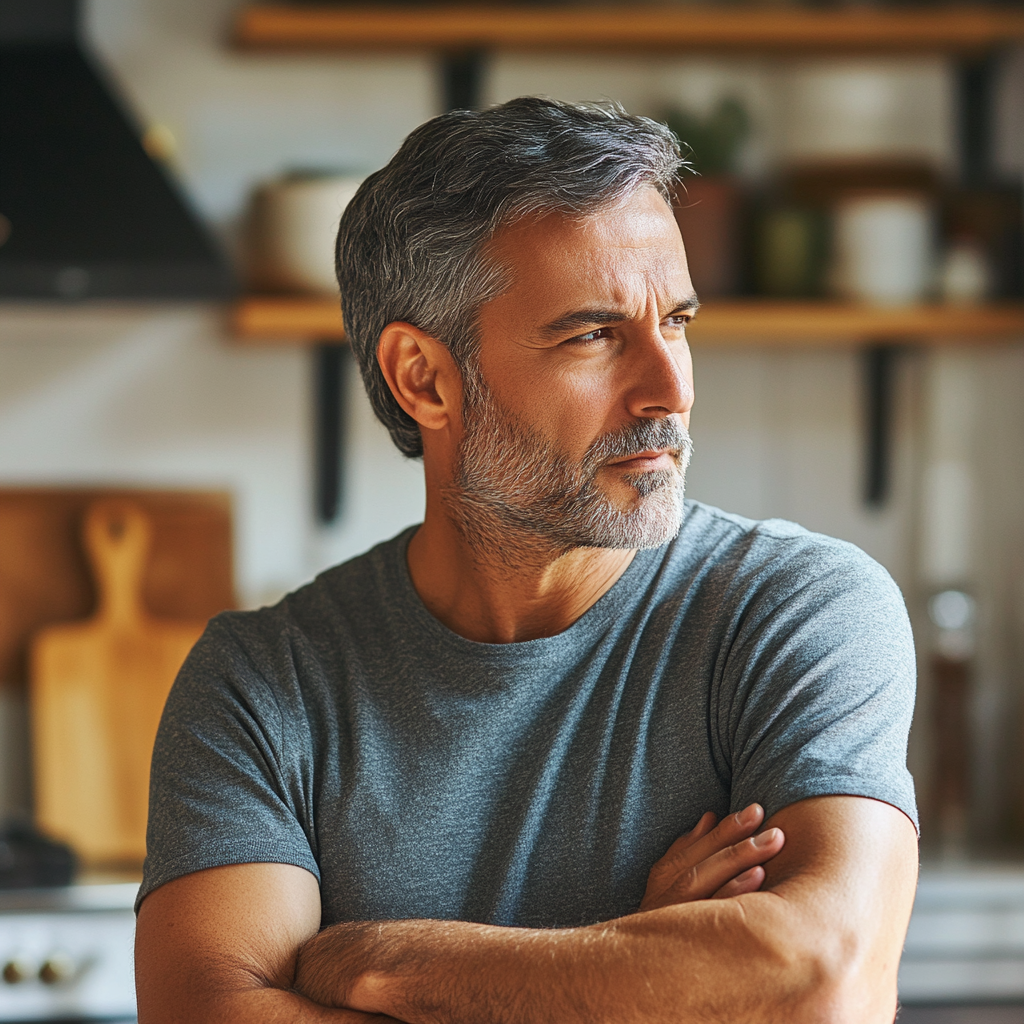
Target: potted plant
{"x":709,"y":200}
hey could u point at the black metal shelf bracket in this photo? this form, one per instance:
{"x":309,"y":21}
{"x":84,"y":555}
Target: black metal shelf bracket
{"x":462,"y":74}
{"x":976,"y":96}
{"x":879,"y":387}
{"x":976,"y":89}
{"x":331,"y":362}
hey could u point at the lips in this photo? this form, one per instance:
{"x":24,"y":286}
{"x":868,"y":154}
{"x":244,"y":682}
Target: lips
{"x":648,"y":455}
{"x":638,"y":446}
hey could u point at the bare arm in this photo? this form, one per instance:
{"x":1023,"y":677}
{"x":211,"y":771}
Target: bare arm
{"x":219,"y":946}
{"x":821,"y":942}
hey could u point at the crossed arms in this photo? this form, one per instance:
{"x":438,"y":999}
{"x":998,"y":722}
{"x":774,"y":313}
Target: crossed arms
{"x":813,"y":936}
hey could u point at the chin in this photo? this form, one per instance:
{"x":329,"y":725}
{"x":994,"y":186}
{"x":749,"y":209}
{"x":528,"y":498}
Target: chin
{"x":649,"y":521}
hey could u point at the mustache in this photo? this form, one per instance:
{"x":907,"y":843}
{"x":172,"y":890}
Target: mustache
{"x":643,"y":435}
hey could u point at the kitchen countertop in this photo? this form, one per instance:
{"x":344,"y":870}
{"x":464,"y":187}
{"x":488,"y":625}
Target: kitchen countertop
{"x":966,"y":937}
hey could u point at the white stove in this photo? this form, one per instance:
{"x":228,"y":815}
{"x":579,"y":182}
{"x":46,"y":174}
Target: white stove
{"x":66,"y":954}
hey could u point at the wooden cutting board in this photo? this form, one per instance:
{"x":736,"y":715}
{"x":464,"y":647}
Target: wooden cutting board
{"x":45,"y":577}
{"x":97,"y":688}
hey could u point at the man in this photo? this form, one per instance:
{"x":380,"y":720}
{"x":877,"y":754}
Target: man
{"x":514,"y":765}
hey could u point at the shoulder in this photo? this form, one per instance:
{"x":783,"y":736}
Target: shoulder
{"x":814,"y":668}
{"x":277,"y":656}
{"x":774,"y":556}
{"x":340,"y":599}
{"x":771,"y":585}
{"x":731,"y":537}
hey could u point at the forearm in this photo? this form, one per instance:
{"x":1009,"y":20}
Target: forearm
{"x":820,"y":944}
{"x":244,"y":1001}
{"x":267,"y":1006}
{"x":737,"y":960}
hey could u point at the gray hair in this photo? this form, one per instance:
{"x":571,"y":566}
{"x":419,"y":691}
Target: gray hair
{"x":410,"y":242}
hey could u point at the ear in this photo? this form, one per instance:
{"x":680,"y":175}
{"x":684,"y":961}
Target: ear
{"x":422,"y":375}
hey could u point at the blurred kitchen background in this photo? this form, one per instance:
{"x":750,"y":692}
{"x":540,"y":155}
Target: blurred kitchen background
{"x":856,"y":237}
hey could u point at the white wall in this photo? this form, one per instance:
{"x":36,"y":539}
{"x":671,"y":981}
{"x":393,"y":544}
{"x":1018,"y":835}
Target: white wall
{"x":160,"y":395}
{"x":801,"y":108}
{"x":239,"y":117}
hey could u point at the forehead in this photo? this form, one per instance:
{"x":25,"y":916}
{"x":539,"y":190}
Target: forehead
{"x":619,"y":256}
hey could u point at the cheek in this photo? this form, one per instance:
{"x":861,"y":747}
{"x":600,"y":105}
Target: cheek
{"x":572,"y":407}
{"x":571,"y":402}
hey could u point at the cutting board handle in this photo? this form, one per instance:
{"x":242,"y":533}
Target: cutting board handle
{"x":117,"y":538}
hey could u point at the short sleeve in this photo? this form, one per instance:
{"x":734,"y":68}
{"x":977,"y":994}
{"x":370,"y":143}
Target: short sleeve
{"x":218,"y":792}
{"x":817,"y":693}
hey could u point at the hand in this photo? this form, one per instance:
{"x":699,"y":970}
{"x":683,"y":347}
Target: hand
{"x":714,"y":861}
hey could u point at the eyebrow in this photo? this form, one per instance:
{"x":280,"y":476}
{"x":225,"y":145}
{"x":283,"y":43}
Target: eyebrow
{"x":579,"y":319}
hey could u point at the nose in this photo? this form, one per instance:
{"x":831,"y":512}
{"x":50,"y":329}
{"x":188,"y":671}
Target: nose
{"x":661,"y":378}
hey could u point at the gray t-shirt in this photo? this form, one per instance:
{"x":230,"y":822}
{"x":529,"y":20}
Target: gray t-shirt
{"x":418,"y":774}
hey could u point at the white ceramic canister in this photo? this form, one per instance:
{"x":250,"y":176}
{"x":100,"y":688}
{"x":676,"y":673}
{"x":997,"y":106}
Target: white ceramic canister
{"x":965,"y":276}
{"x":884,"y":248}
{"x":292,"y":228}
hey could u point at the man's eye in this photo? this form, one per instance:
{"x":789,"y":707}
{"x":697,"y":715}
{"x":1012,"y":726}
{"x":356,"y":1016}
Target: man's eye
{"x":679,"y":320}
{"x":590,"y":336}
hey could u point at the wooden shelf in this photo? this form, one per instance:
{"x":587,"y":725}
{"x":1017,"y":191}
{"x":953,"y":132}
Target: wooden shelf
{"x":287,"y":320}
{"x":295,"y":320}
{"x":838,"y":323}
{"x":684,"y":28}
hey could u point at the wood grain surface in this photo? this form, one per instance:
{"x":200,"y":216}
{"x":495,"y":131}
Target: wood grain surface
{"x":291,"y":320}
{"x":45,"y":577}
{"x":97,"y":690}
{"x":625,"y":28}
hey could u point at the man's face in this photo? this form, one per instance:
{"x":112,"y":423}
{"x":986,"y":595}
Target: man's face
{"x":575,"y":422}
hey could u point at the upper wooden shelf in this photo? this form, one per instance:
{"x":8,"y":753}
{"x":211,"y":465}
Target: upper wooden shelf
{"x":722,"y":322}
{"x":682,"y":28}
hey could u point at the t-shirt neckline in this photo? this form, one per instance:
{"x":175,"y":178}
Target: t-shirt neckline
{"x":625,"y":591}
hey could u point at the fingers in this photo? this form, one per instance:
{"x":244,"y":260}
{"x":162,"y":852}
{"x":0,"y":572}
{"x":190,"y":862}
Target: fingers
{"x":707,"y":822}
{"x":749,"y":881}
{"x":706,"y":838}
{"x":677,"y":851}
{"x":690,"y":875}
{"x":731,"y":864}
{"x":716,"y":835}
{"x":731,"y":829}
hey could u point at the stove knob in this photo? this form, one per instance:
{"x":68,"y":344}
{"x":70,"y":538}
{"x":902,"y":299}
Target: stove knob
{"x":56,"y":969}
{"x":16,"y":971}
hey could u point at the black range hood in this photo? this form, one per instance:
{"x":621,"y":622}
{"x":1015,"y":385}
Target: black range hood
{"x":84,"y":212}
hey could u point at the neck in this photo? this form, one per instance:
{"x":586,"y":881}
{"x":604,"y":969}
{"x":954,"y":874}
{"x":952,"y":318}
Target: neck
{"x":505,"y":588}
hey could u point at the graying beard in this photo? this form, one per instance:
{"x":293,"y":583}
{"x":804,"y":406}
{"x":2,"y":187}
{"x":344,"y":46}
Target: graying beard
{"x":515,"y":496}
